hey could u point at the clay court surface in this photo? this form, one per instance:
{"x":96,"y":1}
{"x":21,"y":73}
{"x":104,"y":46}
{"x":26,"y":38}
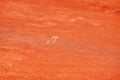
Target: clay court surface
{"x":59,"y":40}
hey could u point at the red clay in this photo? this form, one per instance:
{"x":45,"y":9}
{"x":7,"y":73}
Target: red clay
{"x":59,"y":40}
